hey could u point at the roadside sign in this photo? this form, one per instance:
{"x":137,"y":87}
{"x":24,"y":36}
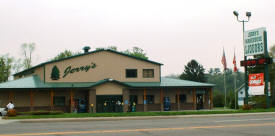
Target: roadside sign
{"x":254,"y":41}
{"x":256,"y":79}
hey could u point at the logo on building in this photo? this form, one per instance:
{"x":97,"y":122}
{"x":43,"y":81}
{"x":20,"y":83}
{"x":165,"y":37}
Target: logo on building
{"x":71,"y":70}
{"x":55,"y":73}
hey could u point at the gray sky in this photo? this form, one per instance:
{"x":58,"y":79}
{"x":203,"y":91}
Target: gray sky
{"x":171,"y":32}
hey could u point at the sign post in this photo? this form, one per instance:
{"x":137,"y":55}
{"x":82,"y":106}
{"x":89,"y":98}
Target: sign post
{"x":255,"y":43}
{"x":266,"y":71}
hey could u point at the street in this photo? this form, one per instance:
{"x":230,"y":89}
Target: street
{"x":243,"y":125}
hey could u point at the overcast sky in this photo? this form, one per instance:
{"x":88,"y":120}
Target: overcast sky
{"x":169,"y":31}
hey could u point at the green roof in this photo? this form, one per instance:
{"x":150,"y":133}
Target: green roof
{"x":87,"y":54}
{"x":170,"y":82}
{"x":35,"y":82}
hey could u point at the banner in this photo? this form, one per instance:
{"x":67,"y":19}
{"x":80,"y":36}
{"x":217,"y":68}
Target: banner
{"x":256,"y":79}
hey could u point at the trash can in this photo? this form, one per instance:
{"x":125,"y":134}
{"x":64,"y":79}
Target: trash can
{"x":167,"y":104}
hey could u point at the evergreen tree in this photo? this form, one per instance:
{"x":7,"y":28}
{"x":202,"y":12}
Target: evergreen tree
{"x":193,"y":71}
{"x":55,"y":73}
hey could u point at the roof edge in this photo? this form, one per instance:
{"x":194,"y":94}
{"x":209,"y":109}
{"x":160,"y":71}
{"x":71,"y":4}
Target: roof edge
{"x":82,"y":54}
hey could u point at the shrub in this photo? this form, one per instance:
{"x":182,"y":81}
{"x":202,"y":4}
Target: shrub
{"x":43,"y":112}
{"x":246,"y":107}
{"x":218,"y":99}
{"x":40,"y":112}
{"x":11,"y":113}
{"x":260,"y":101}
{"x":56,"y":112}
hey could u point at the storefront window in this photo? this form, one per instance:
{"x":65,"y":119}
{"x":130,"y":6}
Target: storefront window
{"x":182,"y":98}
{"x":148,"y":73}
{"x":150,"y":99}
{"x":59,"y":100}
{"x":131,"y":73}
{"x":133,"y":98}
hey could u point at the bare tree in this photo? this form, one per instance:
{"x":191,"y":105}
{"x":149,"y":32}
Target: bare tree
{"x":27,"y":51}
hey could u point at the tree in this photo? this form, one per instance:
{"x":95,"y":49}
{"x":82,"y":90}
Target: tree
{"x":175,"y":76}
{"x":5,"y":67}
{"x":137,"y":52}
{"x":65,"y":54}
{"x":27,"y":51}
{"x":272,"y":73}
{"x":109,"y":48}
{"x":193,"y":71}
{"x":55,"y":73}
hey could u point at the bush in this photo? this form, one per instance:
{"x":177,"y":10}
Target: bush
{"x":259,"y":101}
{"x":11,"y":113}
{"x":56,"y":112}
{"x":246,"y":107}
{"x":42,"y":112}
{"x":218,"y":99}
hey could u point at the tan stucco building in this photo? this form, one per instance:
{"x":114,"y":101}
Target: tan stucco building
{"x":102,"y":81}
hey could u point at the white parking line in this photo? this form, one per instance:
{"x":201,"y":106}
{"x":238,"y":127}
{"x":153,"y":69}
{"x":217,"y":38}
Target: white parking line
{"x":244,"y":120}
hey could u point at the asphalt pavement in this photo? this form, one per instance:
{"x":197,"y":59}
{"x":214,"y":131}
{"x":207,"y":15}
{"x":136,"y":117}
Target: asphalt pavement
{"x":257,"y":124}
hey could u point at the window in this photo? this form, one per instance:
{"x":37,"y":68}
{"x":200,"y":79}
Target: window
{"x":59,"y":100}
{"x":133,"y":98}
{"x":131,"y":73}
{"x":150,"y":99}
{"x":148,"y":73}
{"x":182,"y":98}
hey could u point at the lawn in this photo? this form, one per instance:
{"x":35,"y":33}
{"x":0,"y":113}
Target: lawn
{"x":165,"y":113}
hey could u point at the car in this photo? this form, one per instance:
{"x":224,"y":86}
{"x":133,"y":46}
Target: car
{"x":3,"y":112}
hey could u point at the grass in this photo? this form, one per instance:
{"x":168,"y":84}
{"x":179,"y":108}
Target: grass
{"x":166,"y":113}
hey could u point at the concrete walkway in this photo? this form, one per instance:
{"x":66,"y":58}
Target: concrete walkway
{"x":4,"y":121}
{"x":128,"y":118}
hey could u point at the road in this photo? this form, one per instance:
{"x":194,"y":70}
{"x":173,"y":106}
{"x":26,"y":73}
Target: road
{"x":243,"y":125}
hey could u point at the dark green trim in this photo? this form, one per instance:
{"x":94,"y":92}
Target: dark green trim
{"x":96,"y":51}
{"x":109,"y":80}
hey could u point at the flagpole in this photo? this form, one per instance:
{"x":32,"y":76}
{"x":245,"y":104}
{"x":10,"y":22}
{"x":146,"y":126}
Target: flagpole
{"x":224,"y":76}
{"x":235,"y":85}
{"x":235,"y":79}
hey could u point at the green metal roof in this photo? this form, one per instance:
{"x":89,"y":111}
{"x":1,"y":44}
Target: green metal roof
{"x":36,"y":82}
{"x":170,"y":82}
{"x":87,"y":54}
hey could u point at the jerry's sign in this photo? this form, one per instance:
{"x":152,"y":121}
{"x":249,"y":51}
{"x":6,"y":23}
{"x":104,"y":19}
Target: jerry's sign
{"x":71,"y":70}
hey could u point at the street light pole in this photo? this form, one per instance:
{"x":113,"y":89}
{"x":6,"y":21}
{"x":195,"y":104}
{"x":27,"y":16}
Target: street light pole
{"x":248,"y":14}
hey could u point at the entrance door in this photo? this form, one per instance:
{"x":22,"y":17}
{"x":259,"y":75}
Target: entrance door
{"x":109,"y":103}
{"x":199,"y":101}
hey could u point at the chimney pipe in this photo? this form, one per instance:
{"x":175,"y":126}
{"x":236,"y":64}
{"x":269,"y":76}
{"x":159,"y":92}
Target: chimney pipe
{"x":86,"y":49}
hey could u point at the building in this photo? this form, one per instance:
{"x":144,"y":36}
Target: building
{"x":102,"y":81}
{"x":241,"y":95}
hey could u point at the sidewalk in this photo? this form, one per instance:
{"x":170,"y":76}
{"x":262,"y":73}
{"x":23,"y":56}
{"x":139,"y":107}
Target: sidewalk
{"x":127,"y":118}
{"x":4,"y":121}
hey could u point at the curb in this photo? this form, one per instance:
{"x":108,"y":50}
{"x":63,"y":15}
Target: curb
{"x":48,"y":120}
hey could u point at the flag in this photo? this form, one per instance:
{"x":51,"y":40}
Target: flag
{"x":224,"y":61}
{"x":234,"y":62}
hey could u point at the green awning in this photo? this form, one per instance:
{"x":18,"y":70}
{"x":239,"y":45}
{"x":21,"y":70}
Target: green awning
{"x":35,"y":82}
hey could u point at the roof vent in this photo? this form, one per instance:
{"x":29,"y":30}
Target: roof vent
{"x":86,"y":49}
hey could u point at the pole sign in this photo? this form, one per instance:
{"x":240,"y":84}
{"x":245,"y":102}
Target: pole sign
{"x":258,"y":61}
{"x":254,"y":42}
{"x":256,"y":79}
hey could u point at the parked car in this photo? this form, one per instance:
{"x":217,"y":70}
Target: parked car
{"x":3,"y":112}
